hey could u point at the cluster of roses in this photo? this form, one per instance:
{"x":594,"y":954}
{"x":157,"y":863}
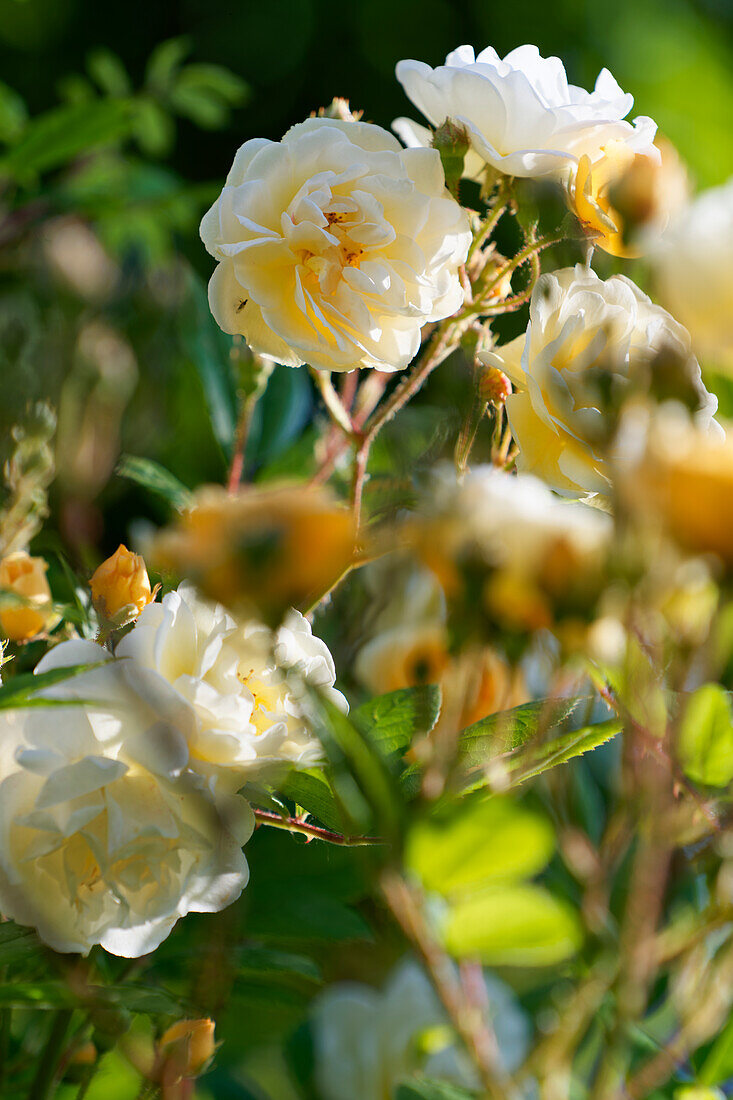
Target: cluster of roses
{"x":119,"y":785}
{"x":336,"y":247}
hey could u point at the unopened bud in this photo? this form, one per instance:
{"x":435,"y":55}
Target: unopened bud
{"x":121,"y":582}
{"x":494,"y":386}
{"x":187,"y":1047}
{"x":452,"y":142}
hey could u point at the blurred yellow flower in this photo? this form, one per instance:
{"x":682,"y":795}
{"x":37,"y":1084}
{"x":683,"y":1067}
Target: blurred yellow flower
{"x":121,"y":582}
{"x":25,"y":597}
{"x":267,"y":548}
{"x":685,"y":479}
{"x":405,"y":656}
{"x":489,"y":683}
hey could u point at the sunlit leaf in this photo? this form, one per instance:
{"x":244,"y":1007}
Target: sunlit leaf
{"x":705,"y":744}
{"x":394,"y":719}
{"x":513,"y":925}
{"x":477,"y":842}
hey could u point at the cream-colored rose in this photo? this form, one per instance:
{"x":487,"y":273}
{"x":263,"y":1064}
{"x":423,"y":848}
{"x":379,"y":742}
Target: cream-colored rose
{"x":106,"y":836}
{"x":579,"y":323}
{"x":335,"y":246}
{"x":25,"y":597}
{"x":693,"y":267}
{"x":367,"y":1040}
{"x":521,"y":115}
{"x":234,"y":677}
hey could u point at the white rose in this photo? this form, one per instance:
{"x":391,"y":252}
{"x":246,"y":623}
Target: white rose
{"x":335,"y":246}
{"x":233,"y":676}
{"x":522,"y":116}
{"x":576,"y":323}
{"x":366,"y":1040}
{"x":105,"y":836}
{"x":693,"y":265}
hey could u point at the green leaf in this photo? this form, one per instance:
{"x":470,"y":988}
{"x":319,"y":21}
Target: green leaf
{"x":58,"y":994}
{"x":56,"y":137}
{"x":280,"y":415}
{"x":354,"y":756}
{"x":305,"y":915}
{"x":106,"y":69}
{"x":394,"y":719}
{"x":705,"y":744}
{"x":311,"y":790}
{"x":13,"y":114}
{"x":718,"y":1066}
{"x":425,"y":1089}
{"x":208,"y":348}
{"x":477,"y":842}
{"x":262,"y":962}
{"x":506,"y":731}
{"x":561,"y":749}
{"x":515,"y":925}
{"x":165,"y":61}
{"x":17,"y":943}
{"x":154,"y":477}
{"x":22,"y":691}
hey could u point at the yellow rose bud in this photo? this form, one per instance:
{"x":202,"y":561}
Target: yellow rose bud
{"x":187,"y":1046}
{"x":25,"y":597}
{"x":121,"y":581}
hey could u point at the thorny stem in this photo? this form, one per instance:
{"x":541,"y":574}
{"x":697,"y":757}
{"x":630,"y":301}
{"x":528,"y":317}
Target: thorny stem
{"x":441,"y":344}
{"x":241,"y":435}
{"x":497,"y":208}
{"x":472,"y":1026}
{"x":531,"y":249}
{"x":315,"y":832}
